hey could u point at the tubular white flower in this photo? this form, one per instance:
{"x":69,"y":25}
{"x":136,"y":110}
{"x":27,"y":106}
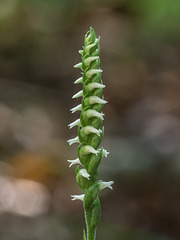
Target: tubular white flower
{"x":91,"y":72}
{"x":75,"y":161}
{"x":105,"y":153}
{"x":103,"y":185}
{"x":75,"y":123}
{"x":78,"y":65}
{"x":78,"y":197}
{"x":77,"y":108}
{"x":73,"y":140}
{"x":83,"y":172}
{"x":95,"y":99}
{"x":79,"y":94}
{"x":93,"y":113}
{"x":79,"y":80}
{"x":89,"y":129}
{"x":93,"y":85}
{"x":88,"y":149}
{"x":88,"y":60}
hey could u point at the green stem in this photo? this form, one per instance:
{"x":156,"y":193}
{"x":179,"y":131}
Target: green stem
{"x":91,"y":233}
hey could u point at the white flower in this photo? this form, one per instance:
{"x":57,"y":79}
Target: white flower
{"x":77,"y":108}
{"x":103,"y":185}
{"x":88,"y":60}
{"x":93,"y":113}
{"x":91,"y":72}
{"x":81,"y":52}
{"x":88,"y":149}
{"x":95,"y":99}
{"x":79,"y":80}
{"x":78,"y":65}
{"x":73,"y":140}
{"x":78,"y":197}
{"x":89,"y":129}
{"x":94,"y":85}
{"x":105,"y":153}
{"x":84,"y":173}
{"x":79,"y":94}
{"x":75,"y":161}
{"x":88,"y":48}
{"x":75,"y":123}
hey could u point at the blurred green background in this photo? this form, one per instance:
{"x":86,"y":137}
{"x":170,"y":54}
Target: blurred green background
{"x":140,"y":55}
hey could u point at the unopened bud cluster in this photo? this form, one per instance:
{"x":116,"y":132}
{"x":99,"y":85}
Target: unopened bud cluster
{"x":90,"y":133}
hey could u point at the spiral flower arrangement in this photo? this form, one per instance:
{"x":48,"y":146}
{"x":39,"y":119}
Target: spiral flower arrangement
{"x":89,"y":133}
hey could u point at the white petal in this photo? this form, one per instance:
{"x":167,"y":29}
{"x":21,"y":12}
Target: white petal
{"x":88,"y":60}
{"x":75,"y":161}
{"x":78,"y":197}
{"x":78,"y":65}
{"x":90,"y":129}
{"x":88,"y":48}
{"x":93,"y":113}
{"x":88,"y":149}
{"x":95,"y":99}
{"x":91,"y":72}
{"x":84,"y":173}
{"x":77,"y":108}
{"x":94,"y":85}
{"x":103,"y":185}
{"x":75,"y":123}
{"x":79,"y":80}
{"x":73,"y":140}
{"x":79,"y":94}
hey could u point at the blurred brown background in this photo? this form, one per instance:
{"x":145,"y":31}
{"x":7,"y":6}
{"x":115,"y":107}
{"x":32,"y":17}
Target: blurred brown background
{"x":140,"y":55}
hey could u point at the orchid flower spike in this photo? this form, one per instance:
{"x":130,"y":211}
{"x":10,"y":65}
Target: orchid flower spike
{"x":90,"y":133}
